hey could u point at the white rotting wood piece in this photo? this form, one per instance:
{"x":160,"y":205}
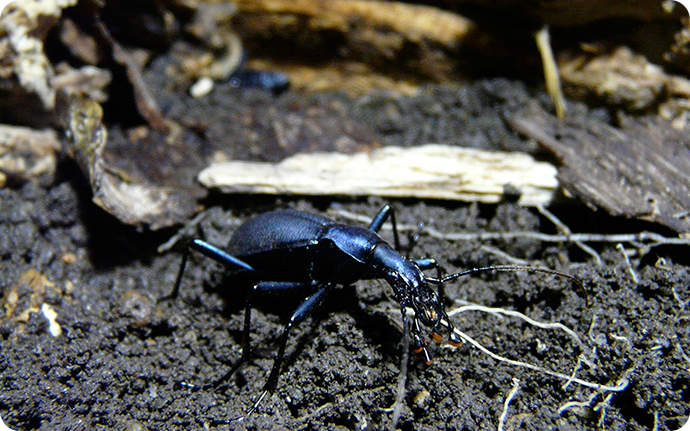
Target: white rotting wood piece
{"x":428,"y":171}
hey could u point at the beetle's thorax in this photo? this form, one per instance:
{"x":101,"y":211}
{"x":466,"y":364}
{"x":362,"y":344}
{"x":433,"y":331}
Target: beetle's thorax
{"x":406,"y":278}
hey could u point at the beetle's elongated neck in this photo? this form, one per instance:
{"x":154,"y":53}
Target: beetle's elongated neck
{"x":403,"y":275}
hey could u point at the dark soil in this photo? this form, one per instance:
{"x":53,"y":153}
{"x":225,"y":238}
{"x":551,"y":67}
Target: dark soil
{"x":126,"y":359}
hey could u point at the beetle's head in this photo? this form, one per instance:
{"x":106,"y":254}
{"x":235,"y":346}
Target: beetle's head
{"x":412,"y":290}
{"x":426,"y":305}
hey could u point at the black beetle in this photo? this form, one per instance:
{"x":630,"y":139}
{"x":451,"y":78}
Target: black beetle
{"x":273,"y":81}
{"x":289,"y":250}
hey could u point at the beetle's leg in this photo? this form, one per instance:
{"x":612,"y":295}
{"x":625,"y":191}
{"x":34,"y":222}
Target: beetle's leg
{"x":176,"y":288}
{"x":259,"y":288}
{"x":212,"y":252}
{"x":302,"y":312}
{"x":380,"y":219}
{"x":412,"y":239}
{"x":428,"y":263}
{"x":219,"y":255}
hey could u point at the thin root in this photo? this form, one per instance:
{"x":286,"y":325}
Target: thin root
{"x":543,"y":325}
{"x":565,"y":230}
{"x":638,"y":240}
{"x":509,"y":398}
{"x":402,"y":380}
{"x":622,"y":384}
{"x":620,"y":247}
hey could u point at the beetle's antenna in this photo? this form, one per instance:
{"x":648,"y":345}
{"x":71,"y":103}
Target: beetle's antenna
{"x":509,"y":268}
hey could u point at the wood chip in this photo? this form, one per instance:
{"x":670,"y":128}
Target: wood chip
{"x":429,"y":172}
{"x":23,"y":26}
{"x":27,"y":154}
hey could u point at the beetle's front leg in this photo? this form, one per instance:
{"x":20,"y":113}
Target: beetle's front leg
{"x":428,"y":263}
{"x":380,"y":219}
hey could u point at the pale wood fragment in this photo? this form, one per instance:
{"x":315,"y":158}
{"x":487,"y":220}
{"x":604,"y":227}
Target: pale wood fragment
{"x":428,"y":171}
{"x":27,"y":154}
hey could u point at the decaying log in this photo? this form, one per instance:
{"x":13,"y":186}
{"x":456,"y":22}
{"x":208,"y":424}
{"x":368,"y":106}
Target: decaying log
{"x":640,"y":170}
